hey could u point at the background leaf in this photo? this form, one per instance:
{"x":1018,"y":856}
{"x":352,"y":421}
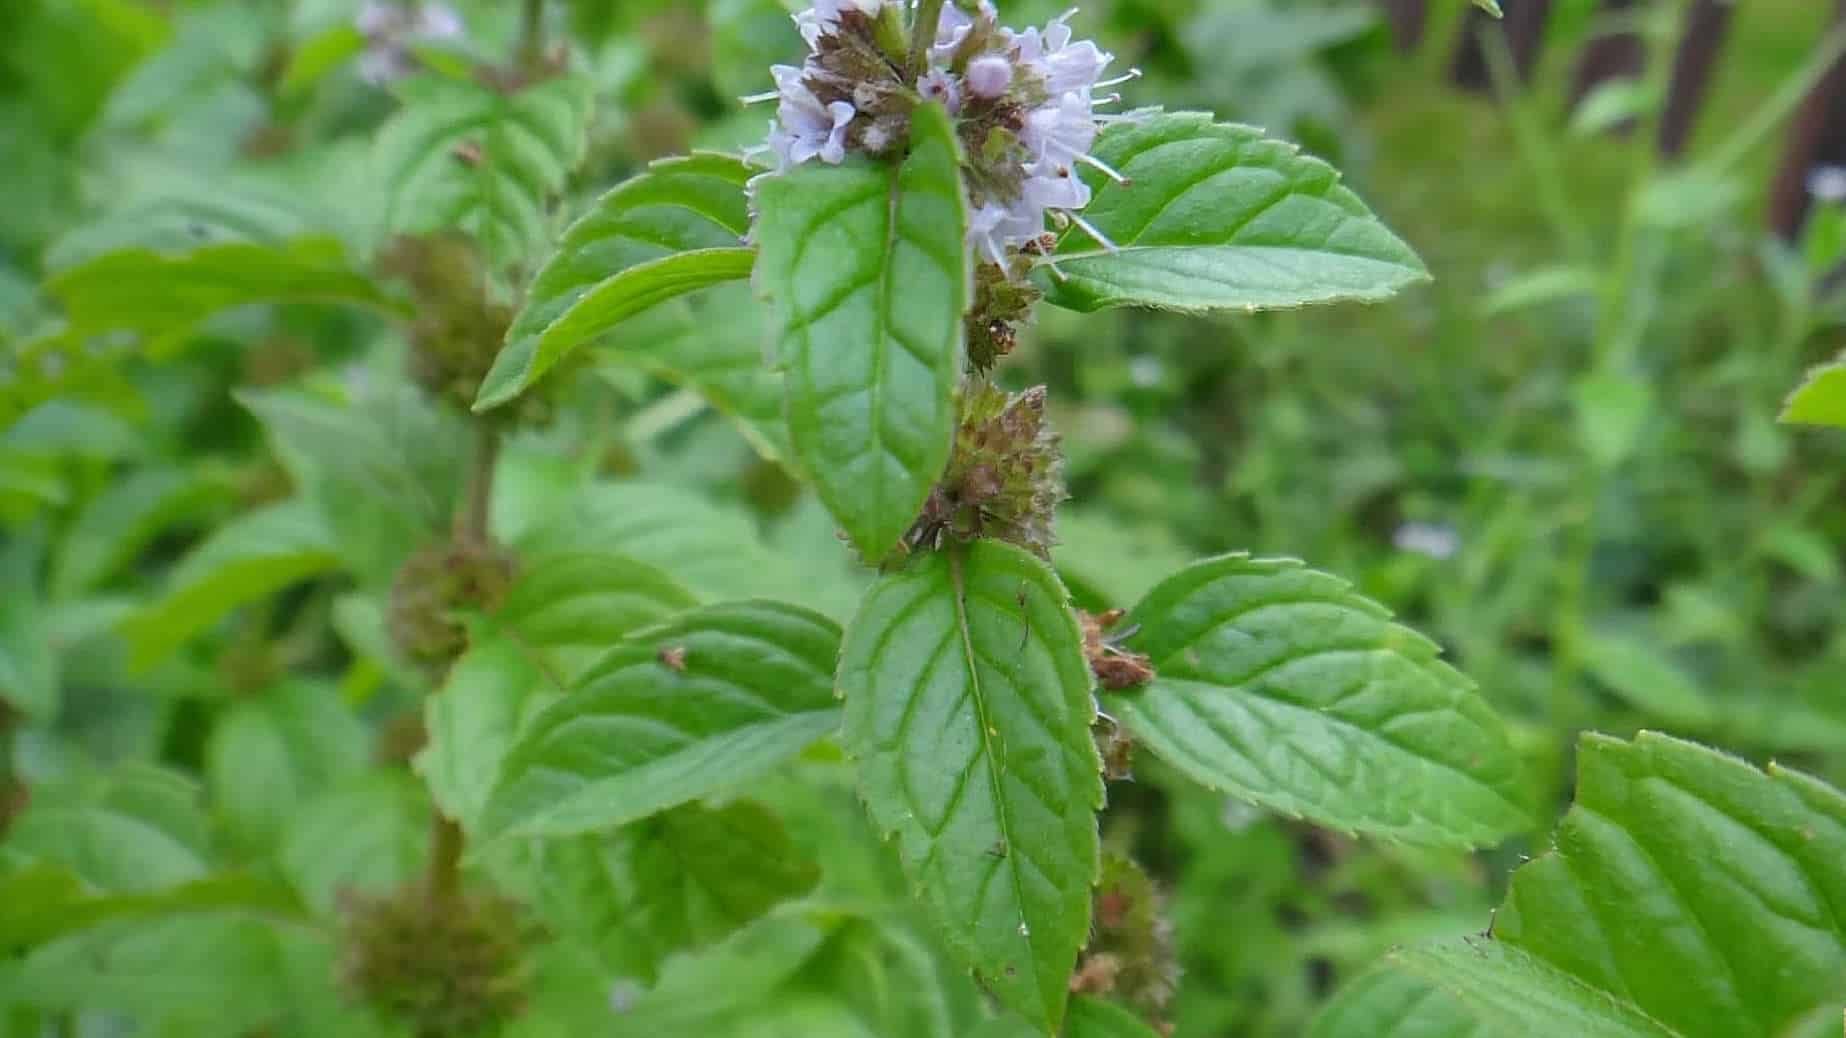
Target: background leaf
{"x":714,"y":344}
{"x":1281,"y":685}
{"x":715,"y":552}
{"x":573,"y":607}
{"x":268,"y":756}
{"x":392,"y":445}
{"x":118,"y":522}
{"x":968,"y":707}
{"x":1640,"y":674}
{"x":205,"y":973}
{"x":139,"y":829}
{"x":1686,"y":893}
{"x":161,"y":297}
{"x":247,"y":559}
{"x":675,"y":712}
{"x":368,"y":836}
{"x":29,"y":679}
{"x":866,"y":269}
{"x":621,"y":256}
{"x":693,"y":875}
{"x":1220,"y":217}
{"x":472,"y":720}
{"x":466,"y":157}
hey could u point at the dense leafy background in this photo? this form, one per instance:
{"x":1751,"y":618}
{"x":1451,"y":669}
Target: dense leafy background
{"x":201,"y":508}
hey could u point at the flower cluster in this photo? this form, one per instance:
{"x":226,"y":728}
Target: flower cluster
{"x":1005,"y":476}
{"x":391,"y":28}
{"x":1024,"y":104}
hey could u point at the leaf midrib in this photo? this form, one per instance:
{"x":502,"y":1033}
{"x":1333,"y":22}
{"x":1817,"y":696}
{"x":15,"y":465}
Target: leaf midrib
{"x":978,"y":695}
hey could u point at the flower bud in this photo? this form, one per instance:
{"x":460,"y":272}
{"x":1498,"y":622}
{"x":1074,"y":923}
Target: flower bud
{"x":448,"y":967}
{"x":989,"y":76}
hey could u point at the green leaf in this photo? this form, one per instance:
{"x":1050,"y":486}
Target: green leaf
{"x":705,"y":994}
{"x":1687,"y":894}
{"x":267,"y":756}
{"x":675,"y":712}
{"x":691,"y":876}
{"x":576,"y":605}
{"x":385,"y":470}
{"x":896,"y":980}
{"x":202,"y":973}
{"x":866,"y":268}
{"x":713,"y":345}
{"x":162,"y":297}
{"x":617,"y":298}
{"x":1281,"y":685}
{"x":461,"y":155}
{"x":318,"y":55}
{"x":393,"y":446}
{"x":714,"y":551}
{"x":472,"y":721}
{"x":1821,"y":398}
{"x":29,"y":680}
{"x":247,"y":559}
{"x":1094,"y":1018}
{"x":672,"y":229}
{"x":117,"y":523}
{"x":968,"y":706}
{"x":1475,"y":986}
{"x":370,"y":837}
{"x":62,"y":427}
{"x":139,"y":830}
{"x":1220,"y":217}
{"x":1636,"y":671}
{"x":42,"y":902}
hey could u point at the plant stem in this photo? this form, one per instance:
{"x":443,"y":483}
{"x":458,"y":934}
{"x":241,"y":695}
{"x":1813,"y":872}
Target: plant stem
{"x":475,"y":519}
{"x":11,"y":789}
{"x":472,"y":527}
{"x":922,"y":35}
{"x":531,"y":33}
{"x":443,"y":876}
{"x":1624,"y":310}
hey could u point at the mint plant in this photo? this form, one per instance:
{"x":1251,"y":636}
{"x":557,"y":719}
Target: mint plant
{"x":934,"y":176}
{"x":599,"y":756}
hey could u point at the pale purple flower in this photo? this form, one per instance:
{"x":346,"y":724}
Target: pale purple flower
{"x":823,"y":17}
{"x":1054,"y":188}
{"x":989,"y":75}
{"x":993,"y":227}
{"x":1052,"y":138}
{"x":439,"y":22}
{"x":951,"y":29}
{"x":1436,"y":540}
{"x":1828,"y":183}
{"x":1064,"y":65}
{"x":940,"y":85}
{"x":1061,"y":132}
{"x":375,"y":18}
{"x":389,"y":29}
{"x":806,"y":130}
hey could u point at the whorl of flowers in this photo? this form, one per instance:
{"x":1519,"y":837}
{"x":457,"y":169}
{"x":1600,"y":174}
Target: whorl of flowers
{"x":391,"y":28}
{"x":1023,"y":101}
